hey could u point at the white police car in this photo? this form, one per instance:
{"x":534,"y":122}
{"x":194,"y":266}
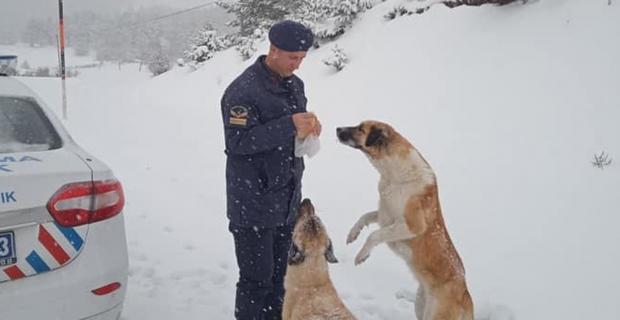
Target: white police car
{"x":63,"y":250}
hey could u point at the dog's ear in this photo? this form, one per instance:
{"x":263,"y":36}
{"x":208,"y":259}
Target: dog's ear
{"x":375,"y":137}
{"x":295,"y":255}
{"x":329,"y":253}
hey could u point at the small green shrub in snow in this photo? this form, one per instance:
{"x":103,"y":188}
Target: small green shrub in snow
{"x":601,"y":160}
{"x":338,"y":60}
{"x":397,"y":12}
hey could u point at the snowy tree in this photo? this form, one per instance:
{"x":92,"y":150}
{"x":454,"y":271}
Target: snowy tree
{"x":326,"y":18}
{"x":80,"y":31}
{"x":25,"y":65}
{"x":133,"y":35}
{"x":329,"y":18}
{"x":111,"y":46}
{"x":158,"y":63}
{"x":39,"y":32}
{"x":457,"y":3}
{"x":312,"y":13}
{"x":8,"y":36}
{"x":255,"y":14}
{"x":338,"y":60}
{"x":145,"y":41}
{"x":246,"y":46}
{"x":206,"y":44}
{"x":397,"y":12}
{"x":345,"y":12}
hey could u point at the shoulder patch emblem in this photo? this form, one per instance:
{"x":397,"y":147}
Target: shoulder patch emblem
{"x":238,"y":115}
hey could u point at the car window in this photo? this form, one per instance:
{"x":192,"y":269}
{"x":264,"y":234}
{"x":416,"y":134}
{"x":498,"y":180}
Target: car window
{"x":24,"y":127}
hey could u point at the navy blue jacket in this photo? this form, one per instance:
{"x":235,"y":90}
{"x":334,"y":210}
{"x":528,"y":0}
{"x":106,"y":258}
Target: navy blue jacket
{"x":263,"y":176}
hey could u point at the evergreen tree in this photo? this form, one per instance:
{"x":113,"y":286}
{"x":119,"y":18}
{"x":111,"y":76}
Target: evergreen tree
{"x":206,"y":44}
{"x":146,"y":40}
{"x":312,"y":13}
{"x":111,"y":46}
{"x":133,"y":35}
{"x":329,"y":18}
{"x":343,"y":13}
{"x":39,"y":32}
{"x":9,"y":36}
{"x":247,"y":45}
{"x":457,"y":3}
{"x":255,"y":14}
{"x":158,"y":62}
{"x":338,"y":60}
{"x":80,"y":31}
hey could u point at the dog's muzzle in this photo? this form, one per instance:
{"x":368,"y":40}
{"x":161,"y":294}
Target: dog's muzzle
{"x":345,"y":136}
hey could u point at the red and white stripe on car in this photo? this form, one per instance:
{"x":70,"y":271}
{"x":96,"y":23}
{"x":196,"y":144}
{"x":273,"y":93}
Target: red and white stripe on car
{"x":74,"y":206}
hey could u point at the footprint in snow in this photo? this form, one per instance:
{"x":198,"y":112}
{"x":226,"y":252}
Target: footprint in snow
{"x":214,"y":277}
{"x":345,"y":295}
{"x":139,"y":256}
{"x":487,"y":311}
{"x":218,"y":279}
{"x":224,"y":265}
{"x":366,"y":297}
{"x":406,"y":295}
{"x":188,"y":274}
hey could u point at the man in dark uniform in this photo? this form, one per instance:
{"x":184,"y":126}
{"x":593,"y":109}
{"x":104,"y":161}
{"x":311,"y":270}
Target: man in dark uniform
{"x":264,"y":111}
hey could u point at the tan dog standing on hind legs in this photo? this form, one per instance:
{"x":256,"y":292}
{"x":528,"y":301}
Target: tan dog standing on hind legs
{"x":310,"y":293}
{"x":410,"y":221}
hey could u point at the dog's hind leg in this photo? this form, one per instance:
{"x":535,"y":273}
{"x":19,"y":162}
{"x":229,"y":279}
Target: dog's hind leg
{"x":468,"y":306}
{"x":448,"y":311}
{"x":393,"y":233}
{"x":420,"y":303}
{"x":364,"y":221}
{"x":430,"y":307}
{"x":448,"y":306}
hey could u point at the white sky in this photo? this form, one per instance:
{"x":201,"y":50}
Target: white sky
{"x":176,"y":3}
{"x":51,"y":7}
{"x":14,"y":15}
{"x":13,"y":12}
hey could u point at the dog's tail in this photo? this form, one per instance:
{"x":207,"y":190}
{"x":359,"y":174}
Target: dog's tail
{"x":468,"y":306}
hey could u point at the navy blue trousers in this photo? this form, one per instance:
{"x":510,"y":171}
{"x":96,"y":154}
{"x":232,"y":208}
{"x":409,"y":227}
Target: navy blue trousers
{"x":262,"y":258}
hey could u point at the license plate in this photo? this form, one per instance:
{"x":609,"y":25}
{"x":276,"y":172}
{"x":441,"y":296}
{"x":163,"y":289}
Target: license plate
{"x":7,"y":249}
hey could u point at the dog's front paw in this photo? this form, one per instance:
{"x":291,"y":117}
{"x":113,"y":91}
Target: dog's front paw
{"x":354,"y":233}
{"x":362,"y":256}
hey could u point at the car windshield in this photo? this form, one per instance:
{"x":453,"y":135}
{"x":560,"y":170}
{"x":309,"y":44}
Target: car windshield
{"x":24,"y":127}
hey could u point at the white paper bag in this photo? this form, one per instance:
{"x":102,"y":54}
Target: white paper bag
{"x":308,"y":146}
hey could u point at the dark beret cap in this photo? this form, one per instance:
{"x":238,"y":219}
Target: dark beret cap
{"x":291,"y":36}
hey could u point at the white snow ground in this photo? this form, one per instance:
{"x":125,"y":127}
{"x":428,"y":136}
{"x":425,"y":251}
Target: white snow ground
{"x":509,"y":105}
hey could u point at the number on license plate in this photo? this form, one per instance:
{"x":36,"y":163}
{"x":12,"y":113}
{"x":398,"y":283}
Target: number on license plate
{"x":7,"y":248}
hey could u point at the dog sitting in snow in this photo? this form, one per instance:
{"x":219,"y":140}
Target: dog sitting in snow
{"x":410,"y":221}
{"x":310,"y":293}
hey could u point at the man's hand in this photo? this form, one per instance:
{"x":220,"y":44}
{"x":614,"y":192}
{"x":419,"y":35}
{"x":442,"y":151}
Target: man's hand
{"x":305,"y":123}
{"x":317,"y":127}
